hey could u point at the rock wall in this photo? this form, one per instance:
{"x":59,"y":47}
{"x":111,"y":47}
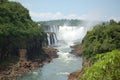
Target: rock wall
{"x":22,"y":54}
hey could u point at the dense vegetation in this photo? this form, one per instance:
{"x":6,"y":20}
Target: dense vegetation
{"x":101,"y":46}
{"x":103,"y":38}
{"x":107,"y":67}
{"x":18,"y":31}
{"x":72,"y":22}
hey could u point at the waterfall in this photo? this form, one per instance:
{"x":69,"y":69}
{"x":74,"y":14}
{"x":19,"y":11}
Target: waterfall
{"x":51,"y":28}
{"x":48,"y":39}
{"x":51,"y":31}
{"x":55,"y":38}
{"x":71,"y":34}
{"x":65,"y":34}
{"x":51,"y":39}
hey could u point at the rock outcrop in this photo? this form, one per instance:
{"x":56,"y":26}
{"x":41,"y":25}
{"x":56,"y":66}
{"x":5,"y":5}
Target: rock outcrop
{"x":76,"y":50}
{"x":51,"y":52}
{"x":23,"y":65}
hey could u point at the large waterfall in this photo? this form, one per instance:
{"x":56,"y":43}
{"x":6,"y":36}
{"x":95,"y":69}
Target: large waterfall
{"x":51,"y":32}
{"x":65,"y":34}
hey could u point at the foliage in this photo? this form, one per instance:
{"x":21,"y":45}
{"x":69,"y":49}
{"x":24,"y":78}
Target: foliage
{"x":17,"y":30}
{"x":107,"y":67}
{"x":102,"y":38}
{"x":3,"y":1}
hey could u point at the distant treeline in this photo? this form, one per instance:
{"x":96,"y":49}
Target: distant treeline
{"x":72,"y":22}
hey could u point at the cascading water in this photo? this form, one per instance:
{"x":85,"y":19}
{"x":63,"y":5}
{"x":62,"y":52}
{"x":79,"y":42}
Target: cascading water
{"x":71,"y":34}
{"x":48,"y":38}
{"x":51,"y":32}
{"x":51,"y":39}
{"x":66,"y":63}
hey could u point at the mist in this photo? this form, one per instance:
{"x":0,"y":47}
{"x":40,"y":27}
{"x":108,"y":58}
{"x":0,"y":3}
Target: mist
{"x":75,"y":34}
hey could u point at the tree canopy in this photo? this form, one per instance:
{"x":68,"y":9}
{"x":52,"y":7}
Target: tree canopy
{"x":101,"y":46}
{"x":102,"y":38}
{"x":17,"y":30}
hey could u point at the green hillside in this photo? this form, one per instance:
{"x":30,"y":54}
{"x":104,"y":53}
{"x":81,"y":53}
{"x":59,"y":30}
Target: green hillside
{"x":101,"y":48}
{"x":18,"y":31}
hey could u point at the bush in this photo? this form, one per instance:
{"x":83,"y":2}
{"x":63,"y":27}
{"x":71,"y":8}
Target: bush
{"x":106,"y":67}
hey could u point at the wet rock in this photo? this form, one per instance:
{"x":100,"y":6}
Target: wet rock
{"x":52,"y":53}
{"x":76,"y":50}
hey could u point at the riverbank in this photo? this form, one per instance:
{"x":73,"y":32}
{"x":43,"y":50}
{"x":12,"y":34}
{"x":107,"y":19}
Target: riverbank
{"x":78,"y":74}
{"x":76,"y":50}
{"x":23,"y":66}
{"x":100,"y":69}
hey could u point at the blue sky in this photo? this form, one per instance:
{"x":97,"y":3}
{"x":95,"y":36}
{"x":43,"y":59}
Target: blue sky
{"x":41,"y":10}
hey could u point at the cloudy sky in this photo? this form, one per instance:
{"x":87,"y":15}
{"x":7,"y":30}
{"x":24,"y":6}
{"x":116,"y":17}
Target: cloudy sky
{"x":41,"y":10}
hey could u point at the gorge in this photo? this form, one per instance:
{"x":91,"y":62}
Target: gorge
{"x":61,"y":67}
{"x":47,"y":41}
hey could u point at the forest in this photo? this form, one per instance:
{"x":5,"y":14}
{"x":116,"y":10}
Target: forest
{"x":101,"y":46}
{"x":18,"y":31}
{"x":103,"y":38}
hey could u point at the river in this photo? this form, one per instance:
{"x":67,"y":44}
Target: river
{"x":59,"y":68}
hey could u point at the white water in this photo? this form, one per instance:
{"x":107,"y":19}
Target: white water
{"x":71,"y":34}
{"x":66,"y":63}
{"x":48,"y":38}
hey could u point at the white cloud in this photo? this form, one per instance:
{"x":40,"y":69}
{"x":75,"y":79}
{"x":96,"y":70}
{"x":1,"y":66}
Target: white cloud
{"x":52,"y":16}
{"x":92,"y":16}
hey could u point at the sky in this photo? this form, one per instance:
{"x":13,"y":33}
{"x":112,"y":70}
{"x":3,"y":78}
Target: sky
{"x":42,"y":10}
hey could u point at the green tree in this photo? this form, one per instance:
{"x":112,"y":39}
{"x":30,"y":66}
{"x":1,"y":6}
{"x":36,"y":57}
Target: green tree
{"x":17,"y":31}
{"x":101,"y":39}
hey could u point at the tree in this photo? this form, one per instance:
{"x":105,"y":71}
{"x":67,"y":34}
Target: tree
{"x":101,"y":39}
{"x":17,"y":31}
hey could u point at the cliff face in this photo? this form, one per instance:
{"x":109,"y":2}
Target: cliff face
{"x":23,"y":65}
{"x":76,"y":50}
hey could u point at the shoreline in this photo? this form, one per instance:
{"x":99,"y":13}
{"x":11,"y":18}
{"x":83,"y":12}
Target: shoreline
{"x":24,"y":66}
{"x":76,"y":50}
{"x":78,"y":73}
